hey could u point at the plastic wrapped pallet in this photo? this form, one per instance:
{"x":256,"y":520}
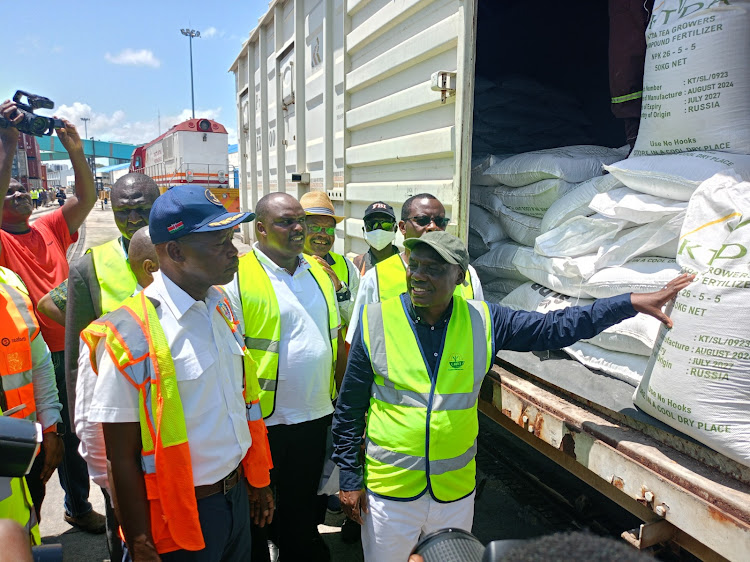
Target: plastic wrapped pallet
{"x":570,"y":163}
{"x":698,"y":378}
{"x":498,"y":263}
{"x":677,"y":176}
{"x":534,"y":199}
{"x":696,"y":78}
{"x":576,"y":202}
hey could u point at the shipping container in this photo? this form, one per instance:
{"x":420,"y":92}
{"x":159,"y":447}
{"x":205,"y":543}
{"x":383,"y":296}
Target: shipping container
{"x":23,"y":164}
{"x":375,"y":100}
{"x":34,"y":168}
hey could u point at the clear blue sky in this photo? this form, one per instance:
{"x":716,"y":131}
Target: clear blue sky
{"x":120,"y":63}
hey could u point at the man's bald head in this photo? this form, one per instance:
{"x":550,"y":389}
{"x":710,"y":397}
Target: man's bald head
{"x":142,"y":257}
{"x":135,"y":182}
{"x":132,"y":198}
{"x":268,"y":205}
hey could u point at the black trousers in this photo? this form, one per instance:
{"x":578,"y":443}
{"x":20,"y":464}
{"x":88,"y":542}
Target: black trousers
{"x":298,"y":453}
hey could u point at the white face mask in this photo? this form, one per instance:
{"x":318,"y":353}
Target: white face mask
{"x":379,"y":239}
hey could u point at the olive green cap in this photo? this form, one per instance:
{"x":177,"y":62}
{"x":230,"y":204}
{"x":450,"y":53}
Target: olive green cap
{"x":450,"y":248}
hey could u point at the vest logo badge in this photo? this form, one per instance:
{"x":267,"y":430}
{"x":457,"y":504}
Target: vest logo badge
{"x":5,"y":342}
{"x":456,"y":361}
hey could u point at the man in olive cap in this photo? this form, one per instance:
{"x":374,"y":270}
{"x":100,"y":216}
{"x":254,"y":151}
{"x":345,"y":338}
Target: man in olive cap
{"x":415,"y":368}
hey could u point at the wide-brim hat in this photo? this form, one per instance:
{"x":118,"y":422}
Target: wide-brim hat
{"x":183,"y":210}
{"x":318,"y":203}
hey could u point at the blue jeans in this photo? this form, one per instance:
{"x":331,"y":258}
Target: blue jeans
{"x":73,"y":472}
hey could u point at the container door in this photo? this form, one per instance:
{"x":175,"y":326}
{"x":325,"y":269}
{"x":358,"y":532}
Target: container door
{"x":409,"y":83}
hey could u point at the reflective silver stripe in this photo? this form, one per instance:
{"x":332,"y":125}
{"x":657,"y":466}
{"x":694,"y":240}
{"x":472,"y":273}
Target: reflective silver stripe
{"x":378,"y":355}
{"x":262,"y":344}
{"x":392,"y":458}
{"x":18,"y":300}
{"x":148,"y":463}
{"x":254,"y":412}
{"x":33,"y":522}
{"x":335,"y":332}
{"x":12,"y":382}
{"x":5,"y":490}
{"x":458,"y":401}
{"x":447,"y":465}
{"x":411,"y":462}
{"x":267,"y":384}
{"x":479,"y":332}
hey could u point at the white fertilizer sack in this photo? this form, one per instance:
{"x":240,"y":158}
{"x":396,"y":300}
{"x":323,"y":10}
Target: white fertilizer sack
{"x":576,"y":201}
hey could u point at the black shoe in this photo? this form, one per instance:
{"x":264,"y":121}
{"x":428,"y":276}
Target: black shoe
{"x":351,"y":531}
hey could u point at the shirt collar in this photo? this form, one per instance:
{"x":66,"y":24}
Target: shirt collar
{"x":122,"y":247}
{"x":303,"y":264}
{"x":414,"y":315}
{"x":175,"y":298}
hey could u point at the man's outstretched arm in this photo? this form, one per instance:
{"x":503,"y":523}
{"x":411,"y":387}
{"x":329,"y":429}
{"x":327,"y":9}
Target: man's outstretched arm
{"x":76,"y":210}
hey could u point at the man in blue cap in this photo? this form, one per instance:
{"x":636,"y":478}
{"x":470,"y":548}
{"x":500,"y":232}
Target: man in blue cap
{"x":181,"y":418}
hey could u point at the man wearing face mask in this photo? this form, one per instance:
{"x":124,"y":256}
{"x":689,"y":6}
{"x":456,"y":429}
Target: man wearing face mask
{"x":419,"y":214}
{"x":380,"y":232}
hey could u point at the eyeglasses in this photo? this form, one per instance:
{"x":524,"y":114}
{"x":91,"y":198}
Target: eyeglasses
{"x":330,"y":231}
{"x":379,"y":224}
{"x":424,"y":220}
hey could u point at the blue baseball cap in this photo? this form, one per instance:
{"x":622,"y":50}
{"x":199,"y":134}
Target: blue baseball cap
{"x":180,"y":211}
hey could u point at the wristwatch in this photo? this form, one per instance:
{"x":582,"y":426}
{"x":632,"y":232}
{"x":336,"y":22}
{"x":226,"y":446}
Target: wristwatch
{"x":343,"y":294}
{"x":58,"y":429}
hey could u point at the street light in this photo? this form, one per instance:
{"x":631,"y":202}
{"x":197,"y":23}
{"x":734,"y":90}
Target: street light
{"x":86,"y":135}
{"x":191,"y":33}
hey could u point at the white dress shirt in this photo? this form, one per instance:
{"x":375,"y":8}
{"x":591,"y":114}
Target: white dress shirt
{"x":208,"y":365}
{"x":305,"y":354}
{"x":368,"y":293}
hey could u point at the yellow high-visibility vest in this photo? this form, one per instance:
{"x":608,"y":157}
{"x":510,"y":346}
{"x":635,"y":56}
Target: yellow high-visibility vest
{"x":391,"y":276}
{"x":116,"y":280}
{"x":260,"y":309}
{"x":422,"y":429}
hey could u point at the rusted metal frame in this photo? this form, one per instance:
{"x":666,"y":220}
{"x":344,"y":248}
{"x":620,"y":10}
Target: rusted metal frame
{"x":597,"y":447}
{"x":650,"y":534}
{"x":695,"y":450}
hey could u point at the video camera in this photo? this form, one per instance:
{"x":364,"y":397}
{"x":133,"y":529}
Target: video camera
{"x":457,"y":545}
{"x":19,"y":443}
{"x":33,"y":124}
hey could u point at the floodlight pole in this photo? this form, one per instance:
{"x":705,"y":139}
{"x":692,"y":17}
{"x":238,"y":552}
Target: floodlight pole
{"x":191,"y":33}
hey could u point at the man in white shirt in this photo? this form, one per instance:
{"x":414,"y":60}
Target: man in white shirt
{"x":419,"y":214}
{"x":196,"y":508}
{"x":288,"y":312}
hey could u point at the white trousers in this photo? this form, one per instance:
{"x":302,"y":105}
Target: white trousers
{"x":392,"y":528}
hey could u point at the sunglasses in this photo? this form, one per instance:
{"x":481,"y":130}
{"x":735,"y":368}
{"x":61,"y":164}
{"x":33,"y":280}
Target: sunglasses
{"x":424,"y":220}
{"x":330,"y":230}
{"x":381,"y":224}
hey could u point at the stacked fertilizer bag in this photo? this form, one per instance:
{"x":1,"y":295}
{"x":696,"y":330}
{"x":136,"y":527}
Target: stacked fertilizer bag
{"x":621,"y":232}
{"x":698,"y":378}
{"x":511,"y":195}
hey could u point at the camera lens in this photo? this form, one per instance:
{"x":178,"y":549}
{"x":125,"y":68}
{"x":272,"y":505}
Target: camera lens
{"x":450,"y":545}
{"x":38,"y":125}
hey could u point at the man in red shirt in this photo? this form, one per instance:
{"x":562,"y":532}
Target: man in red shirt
{"x":37,"y":253}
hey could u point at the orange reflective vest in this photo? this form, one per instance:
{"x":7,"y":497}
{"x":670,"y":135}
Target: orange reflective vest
{"x":18,"y":328}
{"x":132,"y":334}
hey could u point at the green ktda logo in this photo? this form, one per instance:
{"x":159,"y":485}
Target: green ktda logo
{"x":456,"y":361}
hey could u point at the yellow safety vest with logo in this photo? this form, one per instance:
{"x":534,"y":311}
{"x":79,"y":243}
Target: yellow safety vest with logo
{"x":391,"y":276}
{"x":339,"y":267}
{"x":34,"y":194}
{"x":165,"y":457}
{"x":16,"y":504}
{"x":116,"y":280}
{"x":18,"y":328}
{"x":260,"y":310}
{"x":422,"y":429}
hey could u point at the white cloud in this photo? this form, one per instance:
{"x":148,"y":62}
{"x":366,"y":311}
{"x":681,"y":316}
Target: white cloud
{"x":212,"y":32}
{"x":117,"y":127}
{"x":142,"y":57}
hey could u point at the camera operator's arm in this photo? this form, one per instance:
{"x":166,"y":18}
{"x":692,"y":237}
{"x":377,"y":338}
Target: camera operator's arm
{"x":123,"y":442}
{"x":76,"y":211}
